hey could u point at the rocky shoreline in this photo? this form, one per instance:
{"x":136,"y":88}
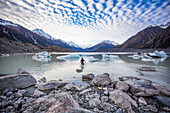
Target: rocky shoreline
{"x":22,"y":93}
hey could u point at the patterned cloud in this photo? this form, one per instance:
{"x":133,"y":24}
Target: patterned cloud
{"x":87,"y":21}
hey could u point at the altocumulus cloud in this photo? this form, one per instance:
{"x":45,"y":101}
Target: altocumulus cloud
{"x":87,"y":21}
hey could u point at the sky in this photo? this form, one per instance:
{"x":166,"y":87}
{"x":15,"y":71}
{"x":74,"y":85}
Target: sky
{"x":87,"y":22}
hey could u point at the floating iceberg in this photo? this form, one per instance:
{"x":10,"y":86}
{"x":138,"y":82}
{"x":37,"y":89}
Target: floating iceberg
{"x":160,"y":54}
{"x":42,"y":56}
{"x":92,"y":59}
{"x":69,"y":57}
{"x":110,"y":56}
{"x":155,"y":57}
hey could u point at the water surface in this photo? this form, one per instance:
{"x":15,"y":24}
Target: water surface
{"x":66,"y":70}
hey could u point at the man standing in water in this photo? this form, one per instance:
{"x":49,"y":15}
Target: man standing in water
{"x":82,"y":61}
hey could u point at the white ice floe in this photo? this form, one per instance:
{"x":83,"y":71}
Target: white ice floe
{"x":42,"y":56}
{"x":92,"y":59}
{"x":109,"y":57}
{"x":155,"y":57}
{"x":69,"y":57}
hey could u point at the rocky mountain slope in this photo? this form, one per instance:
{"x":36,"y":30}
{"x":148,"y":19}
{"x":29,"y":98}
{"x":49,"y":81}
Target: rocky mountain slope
{"x":9,"y":46}
{"x":161,"y":40}
{"x":141,"y":38}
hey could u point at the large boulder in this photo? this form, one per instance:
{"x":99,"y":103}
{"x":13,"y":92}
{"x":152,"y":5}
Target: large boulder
{"x":123,"y":100}
{"x":17,"y":81}
{"x":50,"y":85}
{"x":141,"y":87}
{"x":56,"y":103}
{"x":89,"y":76}
{"x":101,"y":80}
{"x":122,"y":86}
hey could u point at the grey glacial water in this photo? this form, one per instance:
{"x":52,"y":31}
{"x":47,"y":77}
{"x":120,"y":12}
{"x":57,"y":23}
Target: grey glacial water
{"x":66,"y":70}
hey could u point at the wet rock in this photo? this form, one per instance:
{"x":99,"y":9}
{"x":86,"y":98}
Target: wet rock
{"x":42,"y":80}
{"x":150,"y":108}
{"x":102,"y":79}
{"x":38,"y":93}
{"x":123,"y":100}
{"x":94,"y":102}
{"x":53,"y":84}
{"x":89,"y":76}
{"x":122,"y":86}
{"x":17,"y":81}
{"x":163,"y":100}
{"x":21,"y":71}
{"x":147,"y":69}
{"x":141,"y":87}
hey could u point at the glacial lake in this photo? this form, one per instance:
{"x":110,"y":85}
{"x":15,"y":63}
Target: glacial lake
{"x":66,"y":70}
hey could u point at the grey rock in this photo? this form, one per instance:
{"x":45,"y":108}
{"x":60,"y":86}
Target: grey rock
{"x":42,"y":80}
{"x":102,"y":79}
{"x":123,"y":100}
{"x":106,"y":92}
{"x":119,"y":111}
{"x":5,"y":91}
{"x":85,"y":91}
{"x":94,"y":102}
{"x":150,"y":108}
{"x":104,"y":98}
{"x":21,"y":71}
{"x":53,"y":84}
{"x":22,"y":91}
{"x":141,"y":87}
{"x":122,"y":86}
{"x":163,"y":100}
{"x":38,"y":93}
{"x":166,"y":109}
{"x":106,"y":106}
{"x":89,"y":76}
{"x":142,"y":100}
{"x":17,"y":81}
{"x":9,"y":93}
{"x":10,"y":108}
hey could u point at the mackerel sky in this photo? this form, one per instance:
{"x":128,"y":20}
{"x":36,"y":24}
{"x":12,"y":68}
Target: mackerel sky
{"x":87,"y":21}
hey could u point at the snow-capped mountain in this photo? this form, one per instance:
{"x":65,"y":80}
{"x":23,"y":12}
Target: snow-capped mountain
{"x":105,"y":44}
{"x":110,"y":42}
{"x":6,"y":23}
{"x":72,"y":44}
{"x":42,"y":33}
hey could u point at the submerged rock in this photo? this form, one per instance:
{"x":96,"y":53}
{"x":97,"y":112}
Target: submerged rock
{"x":89,"y":76}
{"x":102,"y":79}
{"x":122,"y":86}
{"x":123,"y":100}
{"x":17,"y":81}
{"x":147,"y":69}
{"x":53,"y":84}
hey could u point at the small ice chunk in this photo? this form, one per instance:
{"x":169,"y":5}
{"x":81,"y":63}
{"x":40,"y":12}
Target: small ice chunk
{"x":92,"y":59}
